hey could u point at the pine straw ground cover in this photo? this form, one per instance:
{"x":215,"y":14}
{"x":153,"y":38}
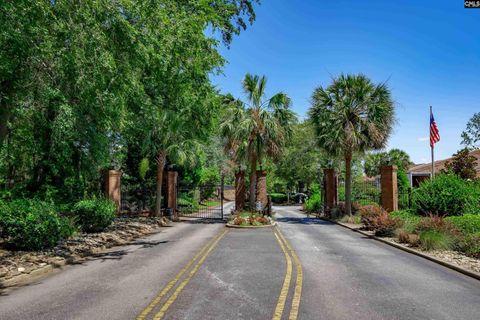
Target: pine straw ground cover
{"x":77,"y":248}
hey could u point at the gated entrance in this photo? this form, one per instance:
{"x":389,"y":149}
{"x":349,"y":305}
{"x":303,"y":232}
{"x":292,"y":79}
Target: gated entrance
{"x":200,"y":202}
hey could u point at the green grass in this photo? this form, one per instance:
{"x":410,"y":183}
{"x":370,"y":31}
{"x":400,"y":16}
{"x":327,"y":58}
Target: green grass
{"x":435,"y":240}
{"x":409,"y":219}
{"x":244,"y":214}
{"x":354,"y":219}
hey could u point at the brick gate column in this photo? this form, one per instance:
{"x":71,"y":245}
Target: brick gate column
{"x":262,"y":188}
{"x":331,"y":189}
{"x":239,"y":190}
{"x":388,"y":183}
{"x":113,"y":187}
{"x":172,"y":177}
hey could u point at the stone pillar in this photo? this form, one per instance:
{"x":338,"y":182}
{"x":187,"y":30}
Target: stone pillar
{"x":113,"y":187}
{"x":388,"y":183}
{"x":262,"y":188}
{"x":172,"y":192}
{"x":331,"y":189}
{"x":239,"y":190}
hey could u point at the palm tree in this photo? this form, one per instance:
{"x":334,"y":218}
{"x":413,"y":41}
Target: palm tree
{"x":170,"y":139}
{"x":397,"y":157}
{"x":258,"y":127}
{"x":352,"y":115}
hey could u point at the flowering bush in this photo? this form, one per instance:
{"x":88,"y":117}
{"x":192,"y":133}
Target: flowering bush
{"x":437,"y":223}
{"x":375,"y":218}
{"x":369,"y":213}
{"x":384,"y":225}
{"x":249,"y":219}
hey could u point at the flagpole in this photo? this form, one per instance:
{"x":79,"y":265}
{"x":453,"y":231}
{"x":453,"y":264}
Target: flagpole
{"x":432,"y":147}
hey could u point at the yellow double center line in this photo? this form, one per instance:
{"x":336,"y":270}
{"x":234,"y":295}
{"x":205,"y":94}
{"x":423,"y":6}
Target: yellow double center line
{"x":203,"y":253}
{"x":297,"y":293}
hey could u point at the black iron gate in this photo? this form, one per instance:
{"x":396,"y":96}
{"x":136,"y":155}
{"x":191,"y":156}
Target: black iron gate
{"x":200,"y":202}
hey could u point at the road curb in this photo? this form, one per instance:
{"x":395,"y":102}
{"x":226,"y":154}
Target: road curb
{"x":234,"y":226}
{"x":26,"y":278}
{"x":464,"y":271}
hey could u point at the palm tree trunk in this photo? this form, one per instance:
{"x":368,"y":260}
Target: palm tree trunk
{"x":348,"y":183}
{"x":161,"y":161}
{"x":253,"y":182}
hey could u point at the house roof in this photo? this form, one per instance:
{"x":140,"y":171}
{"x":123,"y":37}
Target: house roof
{"x":440,"y":165}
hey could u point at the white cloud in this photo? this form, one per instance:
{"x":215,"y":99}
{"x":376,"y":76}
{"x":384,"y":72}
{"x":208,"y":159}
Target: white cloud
{"x":423,"y":138}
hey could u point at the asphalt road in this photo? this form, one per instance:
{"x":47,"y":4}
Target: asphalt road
{"x":200,"y":271}
{"x":349,"y":276}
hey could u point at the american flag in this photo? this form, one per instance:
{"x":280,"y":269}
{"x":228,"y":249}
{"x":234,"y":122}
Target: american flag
{"x":434,"y":134}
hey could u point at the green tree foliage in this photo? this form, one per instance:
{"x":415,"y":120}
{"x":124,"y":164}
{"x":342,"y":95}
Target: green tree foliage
{"x":463,"y":165}
{"x":258,"y":128}
{"x":84,"y":84}
{"x":302,"y":161}
{"x":352,"y":115}
{"x":471,"y":135}
{"x":397,"y":157}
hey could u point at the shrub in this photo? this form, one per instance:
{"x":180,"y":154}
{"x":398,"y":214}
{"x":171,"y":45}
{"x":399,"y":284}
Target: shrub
{"x":375,"y":218}
{"x":470,"y":244}
{"x":249,"y":219}
{"x":436,"y":240}
{"x":278,"y":197}
{"x":33,"y":225}
{"x":368,"y":213}
{"x":313,"y":203}
{"x":402,"y":235}
{"x":409,"y":219}
{"x":447,"y":194}
{"x":437,"y":223}
{"x":94,"y":215}
{"x":353,"y":219}
{"x":467,"y":224}
{"x":384,"y":225}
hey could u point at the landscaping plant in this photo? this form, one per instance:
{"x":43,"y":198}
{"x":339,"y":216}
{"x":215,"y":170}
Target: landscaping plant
{"x":470,"y":244}
{"x":384,"y":225}
{"x":409,"y":219}
{"x":446,"y":195}
{"x":94,"y":215}
{"x":352,"y":115}
{"x":436,"y":240}
{"x":369,"y":213}
{"x":313,"y":203}
{"x":278,"y":198}
{"x":249,"y":219}
{"x":32,"y":225}
{"x":467,"y":224}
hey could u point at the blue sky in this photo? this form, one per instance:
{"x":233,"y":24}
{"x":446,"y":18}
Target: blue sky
{"x":427,"y":51}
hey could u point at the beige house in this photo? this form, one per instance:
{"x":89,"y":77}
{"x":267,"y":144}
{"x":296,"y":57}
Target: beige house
{"x":419,"y":172}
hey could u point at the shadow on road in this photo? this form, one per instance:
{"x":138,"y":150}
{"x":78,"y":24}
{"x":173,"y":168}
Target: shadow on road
{"x":147,"y":244}
{"x":304,"y":220}
{"x":203,"y":221}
